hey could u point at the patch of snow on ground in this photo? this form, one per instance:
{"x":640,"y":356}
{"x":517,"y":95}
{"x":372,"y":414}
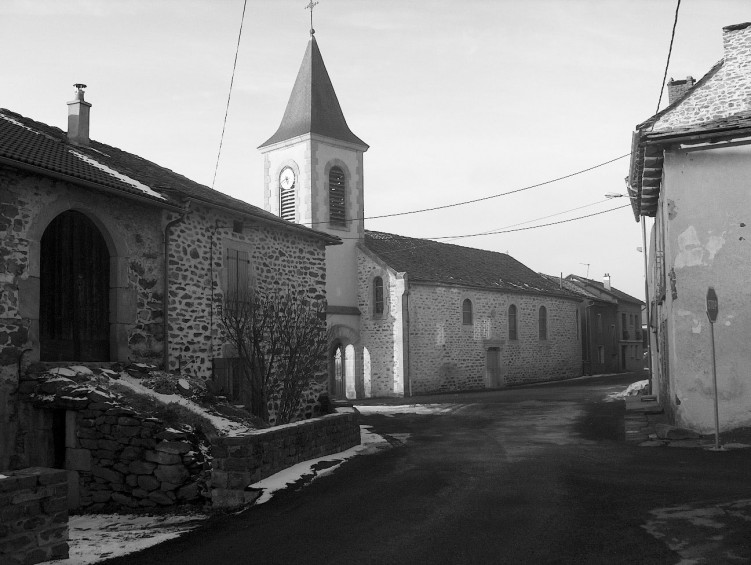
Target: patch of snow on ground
{"x":370,"y":442}
{"x":223,"y":425}
{"x":634,"y":389}
{"x":390,"y":410}
{"x":95,"y":537}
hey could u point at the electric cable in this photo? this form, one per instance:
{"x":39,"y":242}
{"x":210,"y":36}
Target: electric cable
{"x":229,"y":95}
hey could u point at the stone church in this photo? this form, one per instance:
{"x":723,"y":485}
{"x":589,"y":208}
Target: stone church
{"x":407,"y":316}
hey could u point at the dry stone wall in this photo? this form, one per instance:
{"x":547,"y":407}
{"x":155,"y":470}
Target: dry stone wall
{"x":33,"y":516}
{"x":241,"y":461}
{"x":447,"y":355}
{"x":114,"y":455}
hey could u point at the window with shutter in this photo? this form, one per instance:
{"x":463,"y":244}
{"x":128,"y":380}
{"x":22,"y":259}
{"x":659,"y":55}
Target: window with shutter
{"x":238,"y":276}
{"x":337,"y":201}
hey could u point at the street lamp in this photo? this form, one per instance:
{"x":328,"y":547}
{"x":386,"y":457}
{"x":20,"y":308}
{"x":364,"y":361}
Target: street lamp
{"x":646,"y":283}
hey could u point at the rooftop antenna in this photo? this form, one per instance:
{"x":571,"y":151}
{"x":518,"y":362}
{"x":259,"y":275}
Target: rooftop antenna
{"x":310,"y":7}
{"x":587,"y":264}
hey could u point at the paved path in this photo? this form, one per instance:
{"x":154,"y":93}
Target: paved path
{"x":534,"y":475}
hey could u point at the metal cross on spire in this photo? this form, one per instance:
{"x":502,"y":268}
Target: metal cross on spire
{"x":310,"y":7}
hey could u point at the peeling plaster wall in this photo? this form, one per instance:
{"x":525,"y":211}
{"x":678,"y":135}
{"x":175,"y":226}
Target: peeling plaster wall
{"x":706,"y":211}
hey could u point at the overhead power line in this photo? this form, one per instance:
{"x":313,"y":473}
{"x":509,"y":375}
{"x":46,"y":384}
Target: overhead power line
{"x":484,"y":198}
{"x":670,"y":51}
{"x":229,"y":95}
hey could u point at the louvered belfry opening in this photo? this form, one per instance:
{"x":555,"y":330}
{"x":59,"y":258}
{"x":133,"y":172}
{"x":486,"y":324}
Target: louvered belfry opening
{"x":74,"y":291}
{"x":337,"y":215}
{"x":287,"y":203}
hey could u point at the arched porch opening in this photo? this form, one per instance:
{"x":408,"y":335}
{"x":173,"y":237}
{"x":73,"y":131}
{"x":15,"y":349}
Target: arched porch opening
{"x":345,"y":363}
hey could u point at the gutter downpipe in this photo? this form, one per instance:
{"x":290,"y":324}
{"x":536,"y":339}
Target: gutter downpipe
{"x":165,"y":287}
{"x":643,"y":220}
{"x":405,"y":334}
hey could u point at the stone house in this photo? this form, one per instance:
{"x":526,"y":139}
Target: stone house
{"x":613,"y":326}
{"x":395,"y":317}
{"x":690,"y":169}
{"x":107,"y":257}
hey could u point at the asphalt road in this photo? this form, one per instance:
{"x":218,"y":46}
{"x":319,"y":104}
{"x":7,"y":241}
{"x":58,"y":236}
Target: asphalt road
{"x":532,"y":475}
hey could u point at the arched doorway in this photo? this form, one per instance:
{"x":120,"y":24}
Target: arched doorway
{"x":74,"y":291}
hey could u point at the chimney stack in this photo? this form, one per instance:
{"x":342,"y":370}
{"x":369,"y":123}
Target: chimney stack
{"x":78,"y":118}
{"x":677,"y":88}
{"x":606,"y":281}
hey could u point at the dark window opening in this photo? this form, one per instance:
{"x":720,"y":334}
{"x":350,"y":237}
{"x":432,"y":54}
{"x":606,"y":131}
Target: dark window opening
{"x":543,"y":322}
{"x":467,"y":312}
{"x":512,"y":334}
{"x":378,"y":296}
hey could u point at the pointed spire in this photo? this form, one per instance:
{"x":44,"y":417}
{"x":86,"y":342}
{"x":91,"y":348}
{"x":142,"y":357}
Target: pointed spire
{"x":313,"y":106}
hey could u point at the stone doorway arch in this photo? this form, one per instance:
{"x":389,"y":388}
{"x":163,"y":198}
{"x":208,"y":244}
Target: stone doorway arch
{"x":74,"y":291}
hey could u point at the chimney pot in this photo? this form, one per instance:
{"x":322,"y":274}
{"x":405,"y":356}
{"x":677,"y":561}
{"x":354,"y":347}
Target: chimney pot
{"x":78,"y":117}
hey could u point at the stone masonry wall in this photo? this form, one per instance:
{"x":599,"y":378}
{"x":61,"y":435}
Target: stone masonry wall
{"x":379,"y":334}
{"x":280,"y":259}
{"x":114,"y":455}
{"x":446,"y":355}
{"x":242,"y":461}
{"x":28,"y":203}
{"x":33,"y":516}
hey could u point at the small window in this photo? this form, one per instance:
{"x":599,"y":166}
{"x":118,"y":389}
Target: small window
{"x":378,"y":296}
{"x":577,"y":326}
{"x":237,"y":263}
{"x":543,"y":322}
{"x":599,"y":324}
{"x":512,"y":322}
{"x":467,"y":312}
{"x":337,"y":203}
{"x":601,"y":354}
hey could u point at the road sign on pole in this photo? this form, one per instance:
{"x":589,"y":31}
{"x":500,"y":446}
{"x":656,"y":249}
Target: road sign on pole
{"x":713,"y":305}
{"x":713,"y":308}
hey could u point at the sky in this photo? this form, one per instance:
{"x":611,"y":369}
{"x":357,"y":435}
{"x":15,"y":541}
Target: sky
{"x":458,"y":100}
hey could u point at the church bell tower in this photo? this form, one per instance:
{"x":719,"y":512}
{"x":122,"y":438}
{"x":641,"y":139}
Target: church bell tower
{"x":313,"y":175}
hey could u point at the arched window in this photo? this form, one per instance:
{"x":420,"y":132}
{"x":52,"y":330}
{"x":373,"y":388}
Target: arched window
{"x":378,"y":296}
{"x":337,"y":204}
{"x":512,"y":322}
{"x":467,"y":312}
{"x":543,"y":322}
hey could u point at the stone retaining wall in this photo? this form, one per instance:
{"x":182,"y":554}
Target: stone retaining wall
{"x":113,"y":454}
{"x":241,"y":461}
{"x":33,"y":516}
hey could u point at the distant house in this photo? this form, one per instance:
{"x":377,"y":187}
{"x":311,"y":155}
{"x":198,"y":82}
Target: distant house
{"x":690,"y":171}
{"x":108,"y":257}
{"x":613,"y":327}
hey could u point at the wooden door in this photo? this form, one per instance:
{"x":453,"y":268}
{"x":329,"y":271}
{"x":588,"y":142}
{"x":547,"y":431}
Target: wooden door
{"x":493,"y":367}
{"x":74,"y":291}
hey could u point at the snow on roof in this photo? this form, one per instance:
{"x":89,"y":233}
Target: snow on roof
{"x":119,"y":176}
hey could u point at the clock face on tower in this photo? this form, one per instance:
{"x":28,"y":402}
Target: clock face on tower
{"x":287,"y":178}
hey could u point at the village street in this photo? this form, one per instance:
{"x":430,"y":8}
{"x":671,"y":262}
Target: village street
{"x":528,"y":475}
